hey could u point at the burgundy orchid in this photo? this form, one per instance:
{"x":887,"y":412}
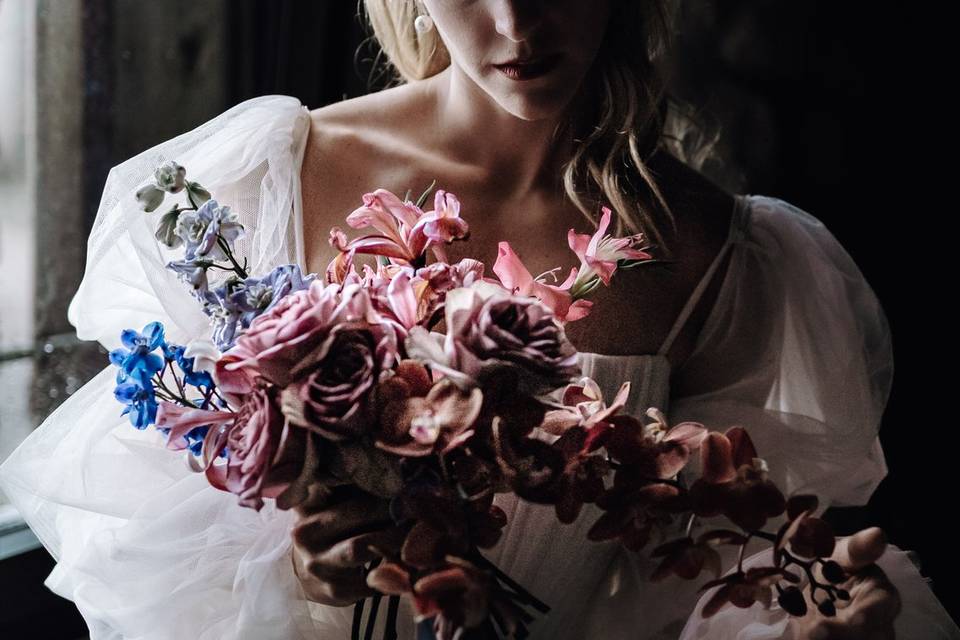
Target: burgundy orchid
{"x":734,"y":482}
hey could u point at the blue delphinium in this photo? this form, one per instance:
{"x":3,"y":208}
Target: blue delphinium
{"x":141,"y":402}
{"x":195,"y":438}
{"x":174,"y":354}
{"x":136,"y":358}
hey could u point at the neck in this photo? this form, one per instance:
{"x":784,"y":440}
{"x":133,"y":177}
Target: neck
{"x":478,"y":132}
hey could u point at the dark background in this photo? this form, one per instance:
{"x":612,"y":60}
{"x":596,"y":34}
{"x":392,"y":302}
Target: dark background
{"x":815,"y":108}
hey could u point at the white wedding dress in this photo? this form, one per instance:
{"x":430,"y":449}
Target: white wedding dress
{"x":797,"y":349}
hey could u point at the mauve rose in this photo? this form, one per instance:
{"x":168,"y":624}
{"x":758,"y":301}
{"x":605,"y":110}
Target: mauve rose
{"x":331,"y":398}
{"x":282,"y":344}
{"x":488,"y":330}
{"x":253,"y":441}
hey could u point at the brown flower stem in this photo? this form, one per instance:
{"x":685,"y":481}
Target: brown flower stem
{"x":179,"y":382}
{"x":220,"y":398}
{"x":233,"y":261}
{"x":522,"y":593}
{"x":207,"y":395}
{"x":743,"y":547}
{"x":814,"y":584}
{"x":672,"y":483}
{"x":160,"y":383}
{"x":772,"y":537}
{"x":690,"y":522}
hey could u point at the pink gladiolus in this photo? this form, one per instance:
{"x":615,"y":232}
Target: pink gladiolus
{"x":600,"y":254}
{"x":516,"y":278}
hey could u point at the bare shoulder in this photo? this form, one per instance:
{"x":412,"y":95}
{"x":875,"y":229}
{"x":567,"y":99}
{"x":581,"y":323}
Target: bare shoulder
{"x":349,"y":147}
{"x":701,"y":207}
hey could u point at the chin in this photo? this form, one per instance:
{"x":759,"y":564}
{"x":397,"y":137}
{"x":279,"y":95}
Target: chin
{"x":533,"y":104}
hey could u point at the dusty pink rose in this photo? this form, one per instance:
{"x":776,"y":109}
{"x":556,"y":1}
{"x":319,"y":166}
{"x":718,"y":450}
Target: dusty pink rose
{"x":282,"y":344}
{"x":252,"y":443}
{"x":490,"y":331}
{"x":331,"y":397}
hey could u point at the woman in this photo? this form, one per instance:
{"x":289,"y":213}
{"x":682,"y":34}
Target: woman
{"x":503,"y":137}
{"x":148,"y":549}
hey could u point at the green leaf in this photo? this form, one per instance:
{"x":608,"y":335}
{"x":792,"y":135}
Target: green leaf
{"x":423,"y":196}
{"x":200,"y":195}
{"x":167,"y":228}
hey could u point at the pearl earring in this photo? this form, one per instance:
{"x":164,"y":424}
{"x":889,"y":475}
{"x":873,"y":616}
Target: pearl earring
{"x":423,"y":23}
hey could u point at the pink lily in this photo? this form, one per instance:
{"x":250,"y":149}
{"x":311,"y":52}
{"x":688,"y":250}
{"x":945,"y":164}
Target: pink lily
{"x":515,"y":277}
{"x":405,"y":231}
{"x":600,"y":254}
{"x":181,"y":420}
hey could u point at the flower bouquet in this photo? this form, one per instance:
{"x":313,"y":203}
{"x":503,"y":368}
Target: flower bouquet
{"x":437,"y":386}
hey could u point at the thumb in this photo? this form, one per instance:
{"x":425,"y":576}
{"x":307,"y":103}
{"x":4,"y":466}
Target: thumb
{"x":861,"y":549}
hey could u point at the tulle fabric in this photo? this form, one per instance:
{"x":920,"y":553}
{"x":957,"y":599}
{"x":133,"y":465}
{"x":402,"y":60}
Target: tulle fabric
{"x":148,"y":550}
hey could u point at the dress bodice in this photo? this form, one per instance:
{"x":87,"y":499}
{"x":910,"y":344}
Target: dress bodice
{"x":554,"y":561}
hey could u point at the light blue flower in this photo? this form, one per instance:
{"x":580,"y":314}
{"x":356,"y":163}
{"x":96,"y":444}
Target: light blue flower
{"x":149,"y":196}
{"x":170,"y":177}
{"x":193,"y":272}
{"x":201,"y":229}
{"x":237,"y":303}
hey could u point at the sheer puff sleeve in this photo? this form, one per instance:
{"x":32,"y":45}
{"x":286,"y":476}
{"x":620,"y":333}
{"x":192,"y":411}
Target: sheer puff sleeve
{"x":798,"y":350}
{"x":146,"y":548}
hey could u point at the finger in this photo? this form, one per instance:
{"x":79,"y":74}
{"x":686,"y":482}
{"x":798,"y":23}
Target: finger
{"x":861,"y":549}
{"x":874,"y":600}
{"x":338,"y":587}
{"x":362,"y":548}
{"x":324,"y":528}
{"x":832,"y":629}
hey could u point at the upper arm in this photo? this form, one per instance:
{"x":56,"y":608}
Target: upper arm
{"x":333,"y":180}
{"x":315,"y":182}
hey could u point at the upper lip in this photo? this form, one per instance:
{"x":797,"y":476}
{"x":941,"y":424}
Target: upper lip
{"x":526,"y":60}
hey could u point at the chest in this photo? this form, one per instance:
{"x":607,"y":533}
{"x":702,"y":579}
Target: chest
{"x":634,"y":315}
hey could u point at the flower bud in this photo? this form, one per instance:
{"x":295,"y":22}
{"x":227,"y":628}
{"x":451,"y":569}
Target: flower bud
{"x":171,"y":177}
{"x":150,"y":197}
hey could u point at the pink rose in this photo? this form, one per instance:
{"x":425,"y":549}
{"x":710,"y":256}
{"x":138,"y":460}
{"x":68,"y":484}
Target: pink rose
{"x":252,"y":442}
{"x":331,"y":398}
{"x":282,"y":344}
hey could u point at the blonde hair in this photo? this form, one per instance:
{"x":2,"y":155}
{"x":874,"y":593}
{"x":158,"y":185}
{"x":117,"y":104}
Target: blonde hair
{"x":616,"y":135}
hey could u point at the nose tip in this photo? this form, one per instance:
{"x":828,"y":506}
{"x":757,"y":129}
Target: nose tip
{"x":518,"y":20}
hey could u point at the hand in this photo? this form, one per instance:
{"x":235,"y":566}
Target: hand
{"x":331,"y":538}
{"x":874,"y":601}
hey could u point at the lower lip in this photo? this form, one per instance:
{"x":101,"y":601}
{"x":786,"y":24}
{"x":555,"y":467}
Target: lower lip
{"x":531,"y":71}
